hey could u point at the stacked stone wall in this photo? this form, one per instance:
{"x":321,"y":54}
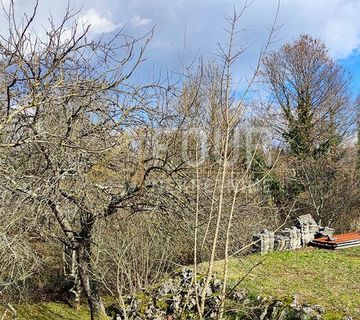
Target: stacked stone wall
{"x":295,"y":237}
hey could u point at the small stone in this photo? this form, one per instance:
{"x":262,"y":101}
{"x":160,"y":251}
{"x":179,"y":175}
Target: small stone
{"x":295,"y":302}
{"x":216,"y":286}
{"x":307,"y":310}
{"x":318,"y":308}
{"x":238,"y":296}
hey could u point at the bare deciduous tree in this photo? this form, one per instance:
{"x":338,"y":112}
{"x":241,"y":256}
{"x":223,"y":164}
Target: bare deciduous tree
{"x":221,"y":175}
{"x":74,"y":131}
{"x":310,"y":94}
{"x":312,"y":111}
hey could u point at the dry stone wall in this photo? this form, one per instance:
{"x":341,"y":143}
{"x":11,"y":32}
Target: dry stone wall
{"x":175,"y":299}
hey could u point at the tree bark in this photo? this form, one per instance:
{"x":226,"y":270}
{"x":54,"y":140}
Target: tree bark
{"x":97,"y":309}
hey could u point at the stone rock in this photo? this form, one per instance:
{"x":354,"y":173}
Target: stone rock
{"x":280,"y":243}
{"x":325,"y":232}
{"x":295,"y":301}
{"x":308,"y":228}
{"x":318,"y":308}
{"x":264,"y":241}
{"x":216,"y":286}
{"x":277,"y":310}
{"x":171,"y":300}
{"x":238,"y":296}
{"x":292,"y":238}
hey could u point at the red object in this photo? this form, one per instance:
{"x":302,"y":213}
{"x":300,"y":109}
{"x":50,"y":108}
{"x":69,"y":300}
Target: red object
{"x":338,"y":241}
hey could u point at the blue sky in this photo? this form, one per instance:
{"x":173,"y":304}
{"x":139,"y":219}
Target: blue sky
{"x":199,"y":24}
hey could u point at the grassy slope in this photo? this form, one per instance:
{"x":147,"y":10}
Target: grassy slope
{"x":50,"y":311}
{"x":328,"y":278}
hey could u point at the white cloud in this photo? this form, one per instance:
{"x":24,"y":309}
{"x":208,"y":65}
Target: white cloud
{"x":136,"y":21}
{"x":342,"y":29}
{"x":197,"y":26}
{"x":334,"y":21}
{"x":342,"y":37}
{"x":98,"y":24}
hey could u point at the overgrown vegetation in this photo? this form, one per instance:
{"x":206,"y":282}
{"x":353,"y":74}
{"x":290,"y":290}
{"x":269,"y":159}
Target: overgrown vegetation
{"x":107,"y":183}
{"x":327,"y":278}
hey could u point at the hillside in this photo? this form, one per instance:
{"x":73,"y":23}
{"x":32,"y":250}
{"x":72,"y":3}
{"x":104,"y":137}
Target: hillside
{"x":327,"y":278}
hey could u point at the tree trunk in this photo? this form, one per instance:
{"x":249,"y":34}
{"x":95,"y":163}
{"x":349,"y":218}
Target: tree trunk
{"x":89,"y":286}
{"x":71,"y":271}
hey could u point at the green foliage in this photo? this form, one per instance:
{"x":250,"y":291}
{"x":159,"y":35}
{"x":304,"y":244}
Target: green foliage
{"x":272,"y":186}
{"x":297,"y":140}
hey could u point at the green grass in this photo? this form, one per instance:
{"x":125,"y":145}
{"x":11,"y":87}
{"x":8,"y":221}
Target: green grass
{"x":328,"y":278}
{"x":50,"y":311}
